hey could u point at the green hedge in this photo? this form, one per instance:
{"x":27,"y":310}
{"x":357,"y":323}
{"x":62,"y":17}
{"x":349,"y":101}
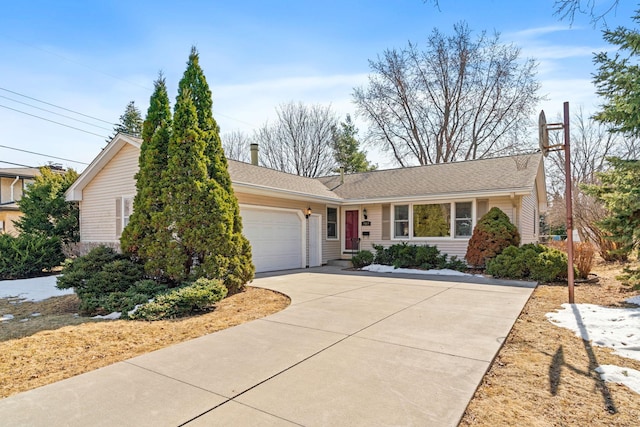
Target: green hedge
{"x":28,"y":255}
{"x":530,"y":261}
{"x":199,"y":296}
{"x":413,"y":256}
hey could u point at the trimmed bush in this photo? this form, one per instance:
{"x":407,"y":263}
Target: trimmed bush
{"x":199,"y":296}
{"x":362,"y":259}
{"x":413,"y":256}
{"x":492,"y":234}
{"x":28,"y":255}
{"x":103,"y":279}
{"x":530,"y":261}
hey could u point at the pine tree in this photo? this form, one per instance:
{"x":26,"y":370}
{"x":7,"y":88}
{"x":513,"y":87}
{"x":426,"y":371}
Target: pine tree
{"x":346,"y":149}
{"x":45,"y":210}
{"x":200,"y":209}
{"x":142,"y":236}
{"x":130,"y":122}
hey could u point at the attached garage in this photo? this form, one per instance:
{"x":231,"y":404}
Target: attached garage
{"x":276,"y":237}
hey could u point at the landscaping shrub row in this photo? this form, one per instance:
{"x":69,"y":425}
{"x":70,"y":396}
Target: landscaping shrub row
{"x":403,"y":255}
{"x":106,"y":282}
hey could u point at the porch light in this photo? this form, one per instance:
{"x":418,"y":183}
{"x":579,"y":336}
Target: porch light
{"x":307,"y":212}
{"x":364,"y":213}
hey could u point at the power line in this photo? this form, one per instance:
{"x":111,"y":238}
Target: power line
{"x":54,"y":105}
{"x":17,"y":164}
{"x":43,"y":155}
{"x":52,"y":121}
{"x":53,"y":112}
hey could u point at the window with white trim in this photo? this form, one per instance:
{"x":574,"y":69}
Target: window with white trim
{"x":417,"y":221}
{"x":464,"y":221}
{"x":432,"y":220}
{"x":332,"y":223}
{"x":401,"y":221}
{"x":124,"y":209}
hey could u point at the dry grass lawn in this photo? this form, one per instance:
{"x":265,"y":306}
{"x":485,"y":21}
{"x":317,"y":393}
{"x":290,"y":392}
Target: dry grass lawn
{"x":544,"y":375}
{"x":75,"y":345}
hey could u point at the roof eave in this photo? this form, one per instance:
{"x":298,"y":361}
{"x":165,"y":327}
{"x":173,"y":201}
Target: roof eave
{"x":74,"y":192}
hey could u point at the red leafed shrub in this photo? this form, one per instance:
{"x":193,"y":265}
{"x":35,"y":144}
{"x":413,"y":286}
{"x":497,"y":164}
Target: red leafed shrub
{"x":492,"y":234}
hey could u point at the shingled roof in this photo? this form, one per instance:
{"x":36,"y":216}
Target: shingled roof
{"x":496,"y":175}
{"x":270,"y":179}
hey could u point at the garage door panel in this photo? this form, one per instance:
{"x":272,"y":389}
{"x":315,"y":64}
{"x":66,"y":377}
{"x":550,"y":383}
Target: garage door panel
{"x":275,"y":237}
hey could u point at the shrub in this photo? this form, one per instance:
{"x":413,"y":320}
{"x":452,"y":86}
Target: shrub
{"x":530,"y":261}
{"x":28,"y":255}
{"x":362,"y":259}
{"x":105,"y":281}
{"x":583,"y":256}
{"x":492,"y":234}
{"x":414,"y":256}
{"x":196,"y":297}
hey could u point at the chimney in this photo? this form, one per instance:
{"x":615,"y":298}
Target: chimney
{"x":254,"y":154}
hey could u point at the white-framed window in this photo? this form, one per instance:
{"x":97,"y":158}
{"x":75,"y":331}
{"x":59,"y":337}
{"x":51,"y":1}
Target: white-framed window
{"x":426,"y":220}
{"x":464,"y":220}
{"x":332,"y":223}
{"x":401,"y":221}
{"x":432,"y":220}
{"x":124,"y":209}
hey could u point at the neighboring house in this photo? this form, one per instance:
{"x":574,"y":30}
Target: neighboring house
{"x":293,"y":221}
{"x":13,"y":182}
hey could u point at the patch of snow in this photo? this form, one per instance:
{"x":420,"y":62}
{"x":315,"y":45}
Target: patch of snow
{"x":111,"y":316}
{"x":35,"y":314}
{"x":6,"y":317}
{"x":616,"y":328}
{"x":634,"y":300}
{"x":616,"y":374}
{"x":390,"y":269}
{"x":35,"y":289}
{"x":24,"y":320}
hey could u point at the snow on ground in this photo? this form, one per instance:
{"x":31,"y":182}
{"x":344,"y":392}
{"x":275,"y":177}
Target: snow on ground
{"x":616,"y":328}
{"x":36,"y":289}
{"x":616,"y":374}
{"x":390,"y":269}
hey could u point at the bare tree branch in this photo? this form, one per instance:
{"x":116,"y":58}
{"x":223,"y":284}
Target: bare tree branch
{"x":301,"y":140}
{"x":461,"y":98}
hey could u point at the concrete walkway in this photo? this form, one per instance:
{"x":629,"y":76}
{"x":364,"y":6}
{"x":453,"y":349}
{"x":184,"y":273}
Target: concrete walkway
{"x":353,"y":348}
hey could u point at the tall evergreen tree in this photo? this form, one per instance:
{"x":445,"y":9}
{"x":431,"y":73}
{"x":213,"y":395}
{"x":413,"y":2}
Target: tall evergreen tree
{"x":618,"y":80}
{"x":130,"y":122}
{"x":200,"y":209}
{"x":346,"y":149}
{"x":140,"y":237}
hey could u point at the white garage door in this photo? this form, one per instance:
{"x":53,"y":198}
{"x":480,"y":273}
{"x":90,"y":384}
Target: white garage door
{"x":275,"y":236}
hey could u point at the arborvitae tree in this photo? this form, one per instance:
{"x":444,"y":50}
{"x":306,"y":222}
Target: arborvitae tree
{"x":493,"y":233}
{"x":130,"y":122}
{"x":45,"y":210}
{"x":200,"y":209}
{"x":141,"y":234}
{"x":346,"y":149}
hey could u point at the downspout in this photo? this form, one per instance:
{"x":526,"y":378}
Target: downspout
{"x":11,"y":187}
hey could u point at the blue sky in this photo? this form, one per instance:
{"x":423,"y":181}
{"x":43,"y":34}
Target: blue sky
{"x":95,"y":58}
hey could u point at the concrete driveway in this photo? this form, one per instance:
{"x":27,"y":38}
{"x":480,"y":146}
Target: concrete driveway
{"x":353,"y":348}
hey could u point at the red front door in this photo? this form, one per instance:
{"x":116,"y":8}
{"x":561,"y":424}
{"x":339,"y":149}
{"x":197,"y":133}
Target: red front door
{"x":351,"y":230}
